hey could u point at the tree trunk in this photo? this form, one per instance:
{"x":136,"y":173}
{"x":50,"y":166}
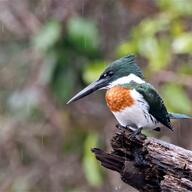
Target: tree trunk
{"x":148,"y":164}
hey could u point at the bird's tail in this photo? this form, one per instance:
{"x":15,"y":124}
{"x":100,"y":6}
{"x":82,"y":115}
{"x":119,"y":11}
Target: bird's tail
{"x":179,"y":116}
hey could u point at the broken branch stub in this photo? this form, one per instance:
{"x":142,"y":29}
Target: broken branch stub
{"x":148,"y":164}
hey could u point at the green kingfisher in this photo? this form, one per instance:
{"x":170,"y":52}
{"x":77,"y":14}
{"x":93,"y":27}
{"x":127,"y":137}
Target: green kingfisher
{"x":134,"y":102}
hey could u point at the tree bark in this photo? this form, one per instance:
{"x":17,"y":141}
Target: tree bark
{"x":148,"y":164}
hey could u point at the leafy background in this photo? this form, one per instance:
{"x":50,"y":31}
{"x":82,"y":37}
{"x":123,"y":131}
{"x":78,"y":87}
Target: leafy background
{"x":50,"y":49}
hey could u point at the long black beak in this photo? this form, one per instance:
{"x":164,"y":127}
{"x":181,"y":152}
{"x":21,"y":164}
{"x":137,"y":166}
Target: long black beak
{"x":98,"y":84}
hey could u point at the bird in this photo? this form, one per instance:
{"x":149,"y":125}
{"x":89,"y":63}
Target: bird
{"x":135,"y":103}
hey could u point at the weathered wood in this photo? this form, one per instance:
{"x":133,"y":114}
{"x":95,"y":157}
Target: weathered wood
{"x":148,"y":164}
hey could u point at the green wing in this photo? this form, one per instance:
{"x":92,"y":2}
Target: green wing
{"x":156,"y":105}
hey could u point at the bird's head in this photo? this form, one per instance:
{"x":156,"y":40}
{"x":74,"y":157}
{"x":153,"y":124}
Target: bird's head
{"x":120,"y":71}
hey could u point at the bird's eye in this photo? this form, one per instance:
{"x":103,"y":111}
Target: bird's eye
{"x":110,"y":73}
{"x":107,"y":74}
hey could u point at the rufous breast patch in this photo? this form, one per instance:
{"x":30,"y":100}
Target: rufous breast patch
{"x":118,"y":98}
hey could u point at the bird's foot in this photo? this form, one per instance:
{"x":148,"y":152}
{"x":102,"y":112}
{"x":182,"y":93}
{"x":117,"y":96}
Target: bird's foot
{"x":121,"y":129}
{"x":135,"y":133}
{"x":119,"y":126}
{"x":132,"y":130}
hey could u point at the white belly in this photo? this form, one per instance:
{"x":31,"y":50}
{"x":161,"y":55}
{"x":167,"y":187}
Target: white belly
{"x":135,"y":117}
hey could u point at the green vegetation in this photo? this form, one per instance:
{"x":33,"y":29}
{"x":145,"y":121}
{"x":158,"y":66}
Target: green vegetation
{"x":55,"y":53}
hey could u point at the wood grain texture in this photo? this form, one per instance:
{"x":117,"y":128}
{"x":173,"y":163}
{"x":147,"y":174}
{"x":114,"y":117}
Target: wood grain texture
{"x":148,"y":164}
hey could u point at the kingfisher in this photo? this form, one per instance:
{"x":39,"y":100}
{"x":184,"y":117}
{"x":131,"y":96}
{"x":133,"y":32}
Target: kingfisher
{"x":135,"y":103}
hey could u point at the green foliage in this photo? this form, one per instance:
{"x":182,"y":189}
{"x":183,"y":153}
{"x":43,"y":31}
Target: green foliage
{"x":175,"y":98}
{"x":183,"y":43}
{"x":77,"y":48}
{"x":176,"y":7}
{"x":63,"y":83}
{"x":93,"y":70}
{"x":157,"y":38}
{"x":48,"y":36}
{"x":83,"y":35}
{"x":185,"y":69}
{"x":91,"y":166}
{"x":66,"y":55}
{"x":144,"y":41}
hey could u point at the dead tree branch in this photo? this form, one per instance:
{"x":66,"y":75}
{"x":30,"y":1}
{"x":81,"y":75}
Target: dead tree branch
{"x":148,"y":164}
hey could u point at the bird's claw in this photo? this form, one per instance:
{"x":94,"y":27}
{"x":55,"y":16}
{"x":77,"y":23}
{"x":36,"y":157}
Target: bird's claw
{"x":119,"y":126}
{"x":135,"y":133}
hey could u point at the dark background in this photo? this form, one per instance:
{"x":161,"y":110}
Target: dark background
{"x":49,"y":50}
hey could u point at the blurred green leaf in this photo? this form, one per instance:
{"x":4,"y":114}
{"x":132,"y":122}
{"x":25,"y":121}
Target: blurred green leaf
{"x":126,"y":48}
{"x":176,"y":27}
{"x":157,"y":52}
{"x":93,"y":70}
{"x":183,"y":43}
{"x":185,"y":68}
{"x":176,"y":99}
{"x":177,"y":7}
{"x":144,"y":41}
{"x":83,"y":34}
{"x":63,"y":83}
{"x":91,"y":166}
{"x":150,"y":26}
{"x":47,"y":36}
{"x":148,"y":46}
